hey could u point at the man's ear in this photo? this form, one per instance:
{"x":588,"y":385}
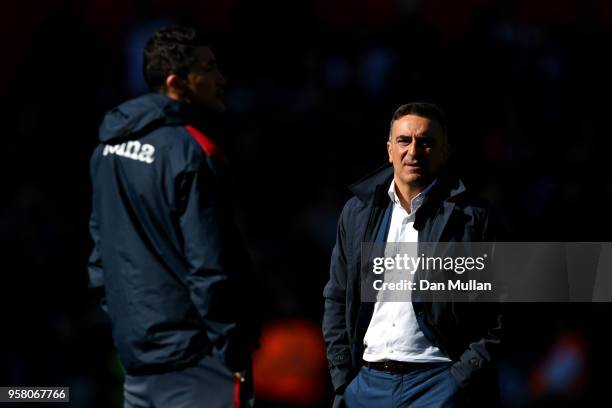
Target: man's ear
{"x":390,"y":151}
{"x":174,"y":87}
{"x":173,"y":81}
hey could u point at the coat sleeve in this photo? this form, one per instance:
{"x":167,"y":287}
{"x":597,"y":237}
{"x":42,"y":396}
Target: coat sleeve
{"x":94,"y":265}
{"x":216,"y":290}
{"x":335,"y":330}
{"x":481,"y":353}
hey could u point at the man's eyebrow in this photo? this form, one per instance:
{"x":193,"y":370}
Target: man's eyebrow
{"x":419,"y":135}
{"x":426,"y":137}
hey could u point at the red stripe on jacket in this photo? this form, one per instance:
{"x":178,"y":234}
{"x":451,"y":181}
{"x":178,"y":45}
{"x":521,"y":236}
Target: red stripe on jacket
{"x":209,"y":146}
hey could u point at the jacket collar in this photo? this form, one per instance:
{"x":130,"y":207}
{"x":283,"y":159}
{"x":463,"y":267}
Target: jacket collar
{"x":374,"y":185}
{"x":370,"y":185}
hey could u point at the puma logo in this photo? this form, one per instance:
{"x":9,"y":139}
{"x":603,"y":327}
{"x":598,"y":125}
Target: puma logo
{"x":132,"y":150}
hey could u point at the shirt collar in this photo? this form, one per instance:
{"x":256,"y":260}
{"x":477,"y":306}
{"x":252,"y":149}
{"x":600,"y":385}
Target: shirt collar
{"x":417,"y":200}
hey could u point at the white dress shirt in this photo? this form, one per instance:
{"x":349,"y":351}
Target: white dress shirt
{"x":394,"y":333}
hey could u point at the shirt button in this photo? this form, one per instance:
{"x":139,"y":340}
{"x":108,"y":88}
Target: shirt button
{"x":391,"y":351}
{"x":393,"y":324}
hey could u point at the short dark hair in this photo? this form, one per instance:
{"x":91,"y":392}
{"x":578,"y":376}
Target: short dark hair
{"x":170,"y":51}
{"x":427,"y":110}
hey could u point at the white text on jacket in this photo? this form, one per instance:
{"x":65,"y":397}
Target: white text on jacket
{"x":132,"y":150}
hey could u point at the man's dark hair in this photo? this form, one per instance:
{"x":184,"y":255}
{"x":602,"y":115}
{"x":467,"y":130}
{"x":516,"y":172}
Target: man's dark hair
{"x":427,"y":110}
{"x":170,"y":51}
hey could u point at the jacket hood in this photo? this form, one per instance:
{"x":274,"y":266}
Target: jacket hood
{"x":366,"y":187}
{"x":376,"y":184}
{"x":147,"y":112}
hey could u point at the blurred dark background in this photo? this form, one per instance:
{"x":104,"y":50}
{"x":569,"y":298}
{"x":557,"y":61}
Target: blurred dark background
{"x":312,"y":87}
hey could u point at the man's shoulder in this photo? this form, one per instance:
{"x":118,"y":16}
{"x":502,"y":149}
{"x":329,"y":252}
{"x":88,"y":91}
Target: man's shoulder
{"x":172,"y":136}
{"x":352,"y":206}
{"x":475,"y":207}
{"x":177,"y":145}
{"x":354,"y":215}
{"x":487,"y":215}
{"x":451,"y":188}
{"x":475,"y":204}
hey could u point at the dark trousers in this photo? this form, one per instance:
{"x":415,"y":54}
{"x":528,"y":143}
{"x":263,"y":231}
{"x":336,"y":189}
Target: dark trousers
{"x":210,"y":384}
{"x":431,"y":387}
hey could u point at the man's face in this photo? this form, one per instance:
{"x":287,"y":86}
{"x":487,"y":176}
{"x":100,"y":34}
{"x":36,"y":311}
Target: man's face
{"x":417,"y":149}
{"x":205,"y":84}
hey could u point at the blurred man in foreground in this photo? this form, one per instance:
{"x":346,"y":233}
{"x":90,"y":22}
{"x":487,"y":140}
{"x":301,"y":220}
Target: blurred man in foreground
{"x":168,"y":262}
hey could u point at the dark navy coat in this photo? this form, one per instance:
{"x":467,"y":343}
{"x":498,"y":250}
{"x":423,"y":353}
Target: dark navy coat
{"x":468,"y":333}
{"x":168,"y":260}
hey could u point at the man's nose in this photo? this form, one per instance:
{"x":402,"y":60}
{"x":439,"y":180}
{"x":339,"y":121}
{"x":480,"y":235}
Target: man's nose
{"x":222,"y":81}
{"x":412,"y":149}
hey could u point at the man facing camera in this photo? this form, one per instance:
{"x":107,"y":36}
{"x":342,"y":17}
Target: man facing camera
{"x":410,"y":353}
{"x":168,"y":262}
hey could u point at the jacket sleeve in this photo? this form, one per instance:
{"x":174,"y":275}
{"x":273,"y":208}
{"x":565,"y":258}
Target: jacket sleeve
{"x":217,"y":291}
{"x":481,"y":353}
{"x":335,"y":330}
{"x":94,"y":264}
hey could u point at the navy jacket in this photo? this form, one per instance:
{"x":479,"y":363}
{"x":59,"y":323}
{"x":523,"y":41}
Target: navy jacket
{"x":168,"y":261}
{"x":469,"y":333}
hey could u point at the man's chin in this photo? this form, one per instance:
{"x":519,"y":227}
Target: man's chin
{"x":412,"y":178}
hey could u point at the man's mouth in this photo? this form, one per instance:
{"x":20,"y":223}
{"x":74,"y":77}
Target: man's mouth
{"x":413,"y":167}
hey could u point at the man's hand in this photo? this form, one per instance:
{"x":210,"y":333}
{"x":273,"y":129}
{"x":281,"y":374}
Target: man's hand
{"x":240,"y":375}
